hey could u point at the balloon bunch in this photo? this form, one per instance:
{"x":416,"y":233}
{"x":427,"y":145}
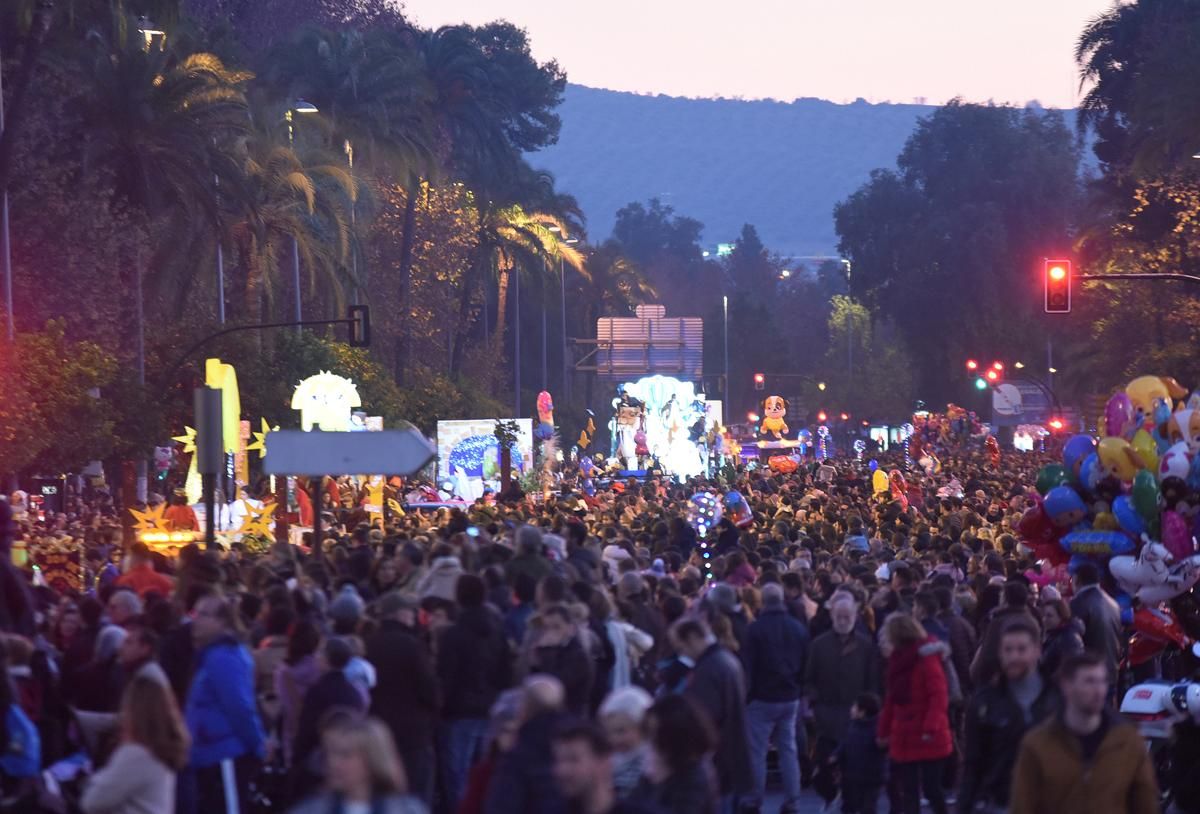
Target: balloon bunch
{"x":738,"y":510}
{"x":704,"y":512}
{"x":1127,"y":500}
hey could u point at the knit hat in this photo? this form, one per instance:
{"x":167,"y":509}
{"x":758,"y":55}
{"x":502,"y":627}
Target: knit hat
{"x":347,"y":606}
{"x":724,"y":598}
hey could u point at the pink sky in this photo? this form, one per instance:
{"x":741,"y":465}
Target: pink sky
{"x":882,"y":50}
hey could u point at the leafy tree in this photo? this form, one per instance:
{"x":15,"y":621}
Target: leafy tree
{"x":947,"y":247}
{"x":750,"y":269}
{"x":54,"y":415}
{"x":666,"y":247}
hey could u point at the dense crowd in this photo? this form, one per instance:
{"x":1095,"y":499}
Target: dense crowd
{"x":583,"y":654}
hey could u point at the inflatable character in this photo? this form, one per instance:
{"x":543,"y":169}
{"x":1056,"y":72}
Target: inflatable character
{"x":738,"y":510}
{"x":586,"y":434}
{"x":773,"y":427}
{"x":544,"y":430}
{"x":1184,"y":427}
{"x":326,"y":400}
{"x":1147,"y":392}
{"x":625,"y":429}
{"x":993,"y":450}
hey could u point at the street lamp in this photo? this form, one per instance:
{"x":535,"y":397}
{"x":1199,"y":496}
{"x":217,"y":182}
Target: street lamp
{"x":562,"y":285}
{"x":725,"y":308}
{"x":148,"y":30}
{"x":821,"y":386}
{"x":300,"y":106}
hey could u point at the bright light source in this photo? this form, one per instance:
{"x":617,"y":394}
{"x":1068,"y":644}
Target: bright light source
{"x":302,"y":106}
{"x":759,"y":378}
{"x":845,"y":416}
{"x":821,"y":416}
{"x":997,"y":366}
{"x":783,"y":275}
{"x":980,"y":384}
{"x":820,"y":385}
{"x":1019,"y":365}
{"x":555,"y":229}
{"x":1057,"y":272}
{"x":972,"y":364}
{"x":1056,"y":424}
{"x":1053,"y":370}
{"x":992,"y":375}
{"x":752,"y":417}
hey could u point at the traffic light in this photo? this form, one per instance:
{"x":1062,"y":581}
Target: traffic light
{"x":972,"y":364}
{"x":821,"y":416}
{"x":993,"y":376}
{"x":981,"y":384}
{"x":1057,"y":278}
{"x":1056,"y":424}
{"x":360,"y":326}
{"x":759,"y":381}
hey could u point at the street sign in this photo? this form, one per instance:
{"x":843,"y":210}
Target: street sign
{"x":388,"y":452}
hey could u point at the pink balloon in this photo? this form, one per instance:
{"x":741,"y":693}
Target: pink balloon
{"x":1176,"y":535}
{"x":1118,"y":415}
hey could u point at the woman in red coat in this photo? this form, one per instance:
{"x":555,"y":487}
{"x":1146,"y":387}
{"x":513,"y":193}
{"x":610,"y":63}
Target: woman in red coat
{"x":915,"y":723}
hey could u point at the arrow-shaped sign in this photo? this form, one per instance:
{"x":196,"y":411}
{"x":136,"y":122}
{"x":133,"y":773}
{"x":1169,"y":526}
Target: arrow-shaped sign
{"x":390,"y":452}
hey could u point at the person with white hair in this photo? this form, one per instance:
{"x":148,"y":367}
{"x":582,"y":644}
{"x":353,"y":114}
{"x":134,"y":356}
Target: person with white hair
{"x":621,"y":715}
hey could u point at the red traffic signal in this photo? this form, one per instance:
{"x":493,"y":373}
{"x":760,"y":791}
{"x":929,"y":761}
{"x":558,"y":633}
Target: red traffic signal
{"x":1056,"y":424}
{"x":759,"y":381}
{"x":993,"y":376}
{"x":1057,"y":279}
{"x":972,"y":364}
{"x":998,"y":366}
{"x":821,"y":416}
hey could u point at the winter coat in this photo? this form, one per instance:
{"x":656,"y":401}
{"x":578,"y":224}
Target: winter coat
{"x":1101,"y":618}
{"x":132,"y":782}
{"x":691,"y":791}
{"x":406,"y":692}
{"x":860,"y":758}
{"x":717,"y":684}
{"x":332,"y":690}
{"x":837,"y":672}
{"x":522,"y":782}
{"x":962,"y":644}
{"x":328,"y":803}
{"x":1051,"y":778}
{"x":473,"y":664}
{"x":993,"y":727}
{"x":441,"y":579}
{"x":1065,"y":640}
{"x":776,"y":649}
{"x":292,"y":681}
{"x":535,"y":566}
{"x":571,"y":665}
{"x":221,"y":711}
{"x":915,"y":720}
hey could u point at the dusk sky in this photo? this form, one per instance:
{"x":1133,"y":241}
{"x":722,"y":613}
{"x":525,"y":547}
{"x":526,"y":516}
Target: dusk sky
{"x":881,"y":50}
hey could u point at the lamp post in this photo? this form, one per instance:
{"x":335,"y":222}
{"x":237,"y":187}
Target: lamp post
{"x":725,"y":309}
{"x":562,"y":282}
{"x":4,"y":237}
{"x":300,"y":106}
{"x":349,"y":150}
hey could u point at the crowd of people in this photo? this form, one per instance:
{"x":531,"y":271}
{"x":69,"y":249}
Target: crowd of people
{"x":583,"y":654}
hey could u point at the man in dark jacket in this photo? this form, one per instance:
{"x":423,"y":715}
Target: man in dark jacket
{"x":523,"y":780}
{"x":1014,"y":608}
{"x":843,"y":663}
{"x":961,"y":632}
{"x":559,"y":653}
{"x":473,"y":667}
{"x":998,"y":716}
{"x":529,"y":559}
{"x":405,"y":693}
{"x":1100,"y":615}
{"x":332,"y":691}
{"x":776,"y":648}
{"x":717,"y":684}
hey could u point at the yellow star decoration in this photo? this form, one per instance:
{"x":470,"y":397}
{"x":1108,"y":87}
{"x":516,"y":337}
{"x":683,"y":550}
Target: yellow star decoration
{"x":257,"y":522}
{"x":260,"y":439}
{"x":188,"y":439}
{"x":152,"y":519}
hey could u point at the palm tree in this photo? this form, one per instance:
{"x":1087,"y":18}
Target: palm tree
{"x":284,"y":196}
{"x":160,"y":124}
{"x":613,"y":285}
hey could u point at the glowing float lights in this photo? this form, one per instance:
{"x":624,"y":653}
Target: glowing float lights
{"x":860,"y":446}
{"x":704,"y":512}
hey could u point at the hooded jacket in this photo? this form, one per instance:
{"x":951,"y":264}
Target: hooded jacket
{"x":441,"y":579}
{"x":221,"y":710}
{"x":915,"y":720}
{"x":775,"y":651}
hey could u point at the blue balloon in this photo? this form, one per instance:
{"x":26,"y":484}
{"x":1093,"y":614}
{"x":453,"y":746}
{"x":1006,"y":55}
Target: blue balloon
{"x":1090,"y":472}
{"x":1063,"y":500}
{"x":1096,"y":543}
{"x":873,"y":465}
{"x":1075,"y":450}
{"x":1128,"y":516}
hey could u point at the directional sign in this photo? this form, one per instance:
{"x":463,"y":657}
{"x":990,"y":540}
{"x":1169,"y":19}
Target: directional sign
{"x":389,"y":452}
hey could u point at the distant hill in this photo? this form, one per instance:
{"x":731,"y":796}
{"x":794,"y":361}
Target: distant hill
{"x":781,"y":166}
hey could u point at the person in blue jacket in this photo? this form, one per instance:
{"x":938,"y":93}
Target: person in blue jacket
{"x":221,"y":715}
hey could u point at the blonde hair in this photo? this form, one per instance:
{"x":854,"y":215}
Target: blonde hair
{"x":374,"y":742}
{"x":149,"y":716}
{"x":902,"y":630}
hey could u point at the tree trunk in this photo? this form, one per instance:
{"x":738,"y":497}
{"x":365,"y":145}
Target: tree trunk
{"x":501,"y":305}
{"x":404,"y":281}
{"x":464,"y":320}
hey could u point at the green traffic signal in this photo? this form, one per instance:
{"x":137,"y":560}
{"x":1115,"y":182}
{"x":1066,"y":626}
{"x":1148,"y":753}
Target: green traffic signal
{"x":980,"y":384}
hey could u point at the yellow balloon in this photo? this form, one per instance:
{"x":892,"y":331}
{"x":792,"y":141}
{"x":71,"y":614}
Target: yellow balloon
{"x":1145,"y":391}
{"x":1117,"y":458}
{"x":879,"y":482}
{"x":1106,"y":521}
{"x":1143,"y":444}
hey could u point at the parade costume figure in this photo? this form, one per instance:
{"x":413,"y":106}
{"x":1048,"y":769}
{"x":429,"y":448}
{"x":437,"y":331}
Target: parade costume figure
{"x":773,"y":427}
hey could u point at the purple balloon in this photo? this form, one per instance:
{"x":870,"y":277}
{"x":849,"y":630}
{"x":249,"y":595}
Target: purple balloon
{"x":1118,"y":415}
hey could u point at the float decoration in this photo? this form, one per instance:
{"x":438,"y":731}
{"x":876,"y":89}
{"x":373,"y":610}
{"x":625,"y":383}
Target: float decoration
{"x":326,"y":400}
{"x":257,"y":522}
{"x":259,"y":443}
{"x":152,"y":519}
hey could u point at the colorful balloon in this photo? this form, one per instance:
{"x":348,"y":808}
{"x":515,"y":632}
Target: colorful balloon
{"x":1176,"y":536}
{"x":1093,"y":543}
{"x":1118,"y":459}
{"x":704,"y":512}
{"x":1146,"y":448}
{"x":879,"y":482}
{"x":1051,"y":475}
{"x":1118,"y":415}
{"x":1145,"y":392}
{"x":1075,"y":450}
{"x":1145,"y":496}
{"x":737,"y":509}
{"x":1175,"y":462}
{"x":1128,"y":517}
{"x":1064,"y":507}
